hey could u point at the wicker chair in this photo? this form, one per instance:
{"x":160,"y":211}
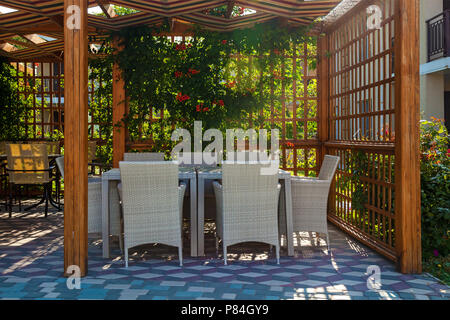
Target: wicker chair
{"x":247,"y":206}
{"x":195,"y":157}
{"x":28,"y":165}
{"x":140,"y":156}
{"x":53,"y":147}
{"x":310,"y":200}
{"x":152,"y":204}
{"x":144,"y":156}
{"x":95,"y":204}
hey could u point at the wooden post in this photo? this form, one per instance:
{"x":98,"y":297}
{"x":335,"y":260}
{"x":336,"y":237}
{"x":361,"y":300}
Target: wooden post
{"x":119,"y":110}
{"x":407,"y":148}
{"x":323,"y":68}
{"x":323,"y":94}
{"x":75,"y":135}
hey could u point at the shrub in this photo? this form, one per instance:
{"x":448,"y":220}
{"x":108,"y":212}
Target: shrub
{"x":435,"y":188}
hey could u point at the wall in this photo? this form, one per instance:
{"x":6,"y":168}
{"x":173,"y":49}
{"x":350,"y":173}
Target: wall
{"x":431,"y":85}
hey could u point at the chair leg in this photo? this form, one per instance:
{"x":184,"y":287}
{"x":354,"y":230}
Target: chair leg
{"x":10,"y":199}
{"x":19,"y":196}
{"x":224,"y":254}
{"x":121,"y":242}
{"x":46,"y":195}
{"x":328,"y":244}
{"x":180,"y":255}
{"x":217,"y":244}
{"x":277,"y":250}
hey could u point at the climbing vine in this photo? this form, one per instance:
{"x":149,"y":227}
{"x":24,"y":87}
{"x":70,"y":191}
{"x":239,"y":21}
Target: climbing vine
{"x":12,"y":108}
{"x":199,"y":78}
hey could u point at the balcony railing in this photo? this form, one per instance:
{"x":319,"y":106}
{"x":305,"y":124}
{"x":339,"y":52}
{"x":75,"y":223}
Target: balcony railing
{"x":438,"y":36}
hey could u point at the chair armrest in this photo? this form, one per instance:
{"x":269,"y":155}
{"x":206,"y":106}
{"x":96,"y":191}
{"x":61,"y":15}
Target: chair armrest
{"x":218,"y":188}
{"x":218,"y":192}
{"x":310,"y":181}
{"x":181,"y":191}
{"x":32,"y":170}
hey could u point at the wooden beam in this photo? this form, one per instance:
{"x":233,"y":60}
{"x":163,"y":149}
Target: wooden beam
{"x":30,"y":44}
{"x":39,"y":29}
{"x":407,"y":147}
{"x":323,"y":90}
{"x":107,"y":9}
{"x":75,"y":137}
{"x":119,"y":106}
{"x":230,"y":7}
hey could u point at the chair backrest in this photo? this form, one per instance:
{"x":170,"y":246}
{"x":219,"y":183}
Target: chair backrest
{"x":92,"y":150}
{"x":3,"y":146}
{"x":328,"y":168}
{"x":247,"y":156}
{"x":197,"y":159}
{"x":144,"y":156}
{"x":53,"y":147}
{"x":60,"y":164}
{"x":248,"y":197}
{"x":28,"y":157}
{"x":149,"y":199}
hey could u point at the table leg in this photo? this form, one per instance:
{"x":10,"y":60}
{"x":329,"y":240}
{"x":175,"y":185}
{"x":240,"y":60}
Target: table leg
{"x":194,"y":231}
{"x":105,"y":217}
{"x":288,"y":212}
{"x":201,"y":216}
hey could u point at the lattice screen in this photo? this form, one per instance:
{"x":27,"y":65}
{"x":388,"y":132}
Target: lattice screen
{"x":362,"y":109}
{"x":293,"y":109}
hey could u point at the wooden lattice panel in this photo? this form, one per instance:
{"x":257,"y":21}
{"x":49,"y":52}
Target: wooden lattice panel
{"x":293,"y":109}
{"x":361,"y":122}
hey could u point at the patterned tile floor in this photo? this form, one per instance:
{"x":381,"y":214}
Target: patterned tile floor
{"x":31,"y":264}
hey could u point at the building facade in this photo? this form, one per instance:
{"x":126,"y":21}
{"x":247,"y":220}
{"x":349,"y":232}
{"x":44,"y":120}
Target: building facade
{"x":435,"y":59}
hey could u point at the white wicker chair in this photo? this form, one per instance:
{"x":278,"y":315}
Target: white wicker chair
{"x":247,"y":206}
{"x":144,"y":156}
{"x":140,"y":156}
{"x":95,"y":203}
{"x":152,"y":204}
{"x":310,"y":200}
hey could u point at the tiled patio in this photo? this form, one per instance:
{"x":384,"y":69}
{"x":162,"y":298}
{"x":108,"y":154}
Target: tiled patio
{"x":31,"y":265}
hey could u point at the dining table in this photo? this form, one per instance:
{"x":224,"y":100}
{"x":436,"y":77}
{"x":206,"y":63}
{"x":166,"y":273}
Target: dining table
{"x":196,"y":176}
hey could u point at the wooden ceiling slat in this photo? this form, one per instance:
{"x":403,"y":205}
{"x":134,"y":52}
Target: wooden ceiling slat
{"x":45,"y":17}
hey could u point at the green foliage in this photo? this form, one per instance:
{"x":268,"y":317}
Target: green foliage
{"x":359,"y":166}
{"x":201,"y":79}
{"x":12,"y":108}
{"x":100,"y":106}
{"x":435,"y":186}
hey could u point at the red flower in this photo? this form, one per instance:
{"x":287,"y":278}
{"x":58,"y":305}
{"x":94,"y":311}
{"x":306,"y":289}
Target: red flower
{"x":224,"y":41}
{"x":448,"y":152}
{"x":193,"y":71}
{"x":180,"y":47}
{"x":182,"y":98}
{"x":198,"y":108}
{"x":289,"y":144}
{"x":231,"y":84}
{"x":206,"y":109}
{"x":276,"y":51}
{"x":178,"y":74}
{"x":221,"y":103}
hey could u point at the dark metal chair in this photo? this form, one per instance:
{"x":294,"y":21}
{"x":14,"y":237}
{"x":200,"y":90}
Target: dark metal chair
{"x":28,"y":165}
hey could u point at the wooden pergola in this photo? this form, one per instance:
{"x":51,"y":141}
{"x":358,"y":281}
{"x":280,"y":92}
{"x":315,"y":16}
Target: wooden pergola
{"x":367,"y":78}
